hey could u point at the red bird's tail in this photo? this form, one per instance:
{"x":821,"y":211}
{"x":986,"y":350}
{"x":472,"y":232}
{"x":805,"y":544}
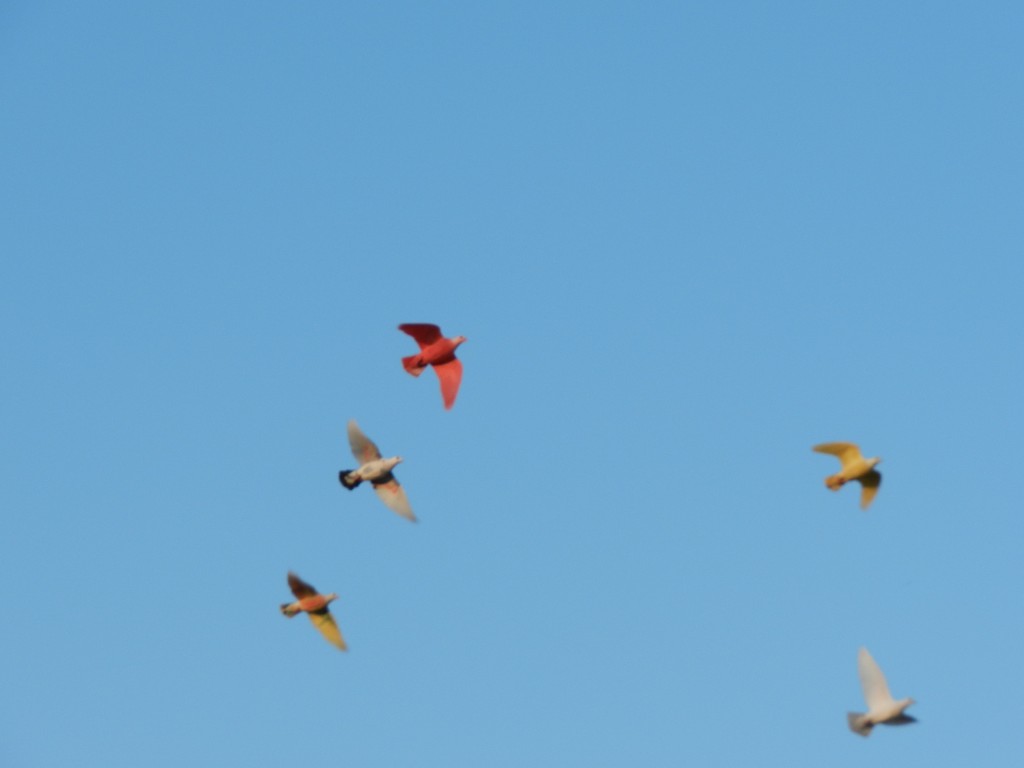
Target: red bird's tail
{"x":288,"y":610}
{"x":413,"y":365}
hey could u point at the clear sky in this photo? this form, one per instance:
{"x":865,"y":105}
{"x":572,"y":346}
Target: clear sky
{"x":686,"y":241}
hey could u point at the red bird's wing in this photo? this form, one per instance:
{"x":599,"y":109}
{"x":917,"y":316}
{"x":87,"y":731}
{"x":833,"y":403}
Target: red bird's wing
{"x":450,"y":374}
{"x":424,"y":333}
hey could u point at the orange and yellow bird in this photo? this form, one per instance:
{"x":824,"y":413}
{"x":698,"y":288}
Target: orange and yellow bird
{"x":314,"y":605}
{"x":439,"y":352}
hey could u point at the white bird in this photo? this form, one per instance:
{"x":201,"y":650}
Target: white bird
{"x":883,"y":709}
{"x":854,"y":467}
{"x":376,"y":470}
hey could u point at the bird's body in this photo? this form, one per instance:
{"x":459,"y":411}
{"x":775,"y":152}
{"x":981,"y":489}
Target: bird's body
{"x":375,"y":469}
{"x":883,"y":709}
{"x":853,"y":466}
{"x":438,"y":351}
{"x":378,"y":469}
{"x":307,"y":605}
{"x":314,"y":605}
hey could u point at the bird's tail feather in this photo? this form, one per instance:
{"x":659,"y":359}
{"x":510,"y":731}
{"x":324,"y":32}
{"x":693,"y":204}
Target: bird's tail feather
{"x":346,"y":480}
{"x":288,"y":611}
{"x":409,"y":363}
{"x":859,"y":723}
{"x":834,"y":482}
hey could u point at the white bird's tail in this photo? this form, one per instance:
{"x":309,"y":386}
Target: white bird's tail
{"x":859,"y":723}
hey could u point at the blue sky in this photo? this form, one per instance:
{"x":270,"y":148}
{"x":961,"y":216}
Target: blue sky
{"x":685,"y":242}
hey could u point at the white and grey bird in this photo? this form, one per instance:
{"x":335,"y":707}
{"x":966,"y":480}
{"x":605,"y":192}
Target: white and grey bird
{"x":883,"y":709}
{"x":853,"y":467}
{"x":376,"y":470}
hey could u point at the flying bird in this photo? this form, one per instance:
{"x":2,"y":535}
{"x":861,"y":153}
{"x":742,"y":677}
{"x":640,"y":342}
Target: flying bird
{"x":882,"y":708}
{"x":439,"y":352}
{"x":308,"y":600}
{"x":854,"y":467}
{"x":377,"y":471}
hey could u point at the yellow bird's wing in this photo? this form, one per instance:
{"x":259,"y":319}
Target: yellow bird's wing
{"x":847,"y":453}
{"x":324,"y":621}
{"x":869,"y":487}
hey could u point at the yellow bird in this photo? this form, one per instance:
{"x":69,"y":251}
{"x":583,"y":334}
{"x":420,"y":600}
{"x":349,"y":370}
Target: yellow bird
{"x":314,"y":605}
{"x":854,"y":467}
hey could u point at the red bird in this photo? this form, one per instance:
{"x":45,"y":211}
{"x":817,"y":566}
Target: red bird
{"x":439,"y":352}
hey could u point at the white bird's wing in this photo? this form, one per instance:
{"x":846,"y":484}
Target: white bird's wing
{"x":391,"y":493}
{"x":876,"y":690}
{"x":363,"y":447}
{"x":847,"y":453}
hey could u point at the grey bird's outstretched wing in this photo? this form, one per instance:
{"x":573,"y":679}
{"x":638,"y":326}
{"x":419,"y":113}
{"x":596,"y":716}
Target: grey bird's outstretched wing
{"x":393,"y":495}
{"x":363,"y":448}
